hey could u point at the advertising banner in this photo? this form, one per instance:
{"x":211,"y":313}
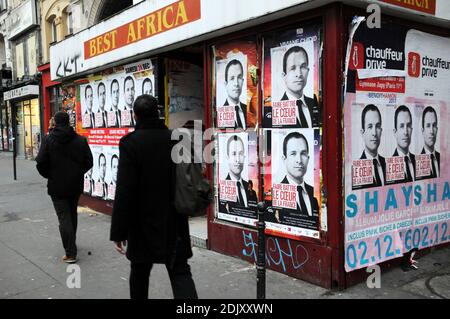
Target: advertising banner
{"x":397,"y":188}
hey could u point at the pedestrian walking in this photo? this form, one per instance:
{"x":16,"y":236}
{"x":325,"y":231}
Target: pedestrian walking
{"x":63,"y":159}
{"x":145,"y":225}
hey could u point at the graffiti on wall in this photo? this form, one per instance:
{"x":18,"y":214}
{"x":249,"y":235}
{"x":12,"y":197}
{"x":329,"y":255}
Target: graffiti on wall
{"x":293,"y":254}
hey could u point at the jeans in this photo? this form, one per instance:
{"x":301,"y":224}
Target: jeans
{"x":66,"y":210}
{"x":183,"y":286}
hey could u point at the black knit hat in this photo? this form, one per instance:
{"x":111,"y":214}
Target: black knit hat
{"x":61,"y":119}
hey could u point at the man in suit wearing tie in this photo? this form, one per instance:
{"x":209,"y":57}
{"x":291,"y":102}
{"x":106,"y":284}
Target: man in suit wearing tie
{"x":101,"y":177}
{"x":296,"y":159}
{"x":147,"y":87}
{"x":114,"y":168}
{"x":88,"y":180}
{"x":128,"y":87}
{"x":403,"y":132}
{"x":371,"y":133}
{"x":89,"y":98}
{"x":234,"y":80}
{"x":235,"y":157}
{"x":429,"y":133}
{"x":115,"y":95}
{"x":101,"y":93}
{"x":295,"y":76}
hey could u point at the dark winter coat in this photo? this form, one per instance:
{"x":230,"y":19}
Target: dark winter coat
{"x":64,"y":158}
{"x":143,"y":212}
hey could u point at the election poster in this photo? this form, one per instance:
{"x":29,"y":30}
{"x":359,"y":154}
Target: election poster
{"x":238,"y":177}
{"x":292,"y":182}
{"x":105,"y":115}
{"x":291,"y":80}
{"x":235,"y":92}
{"x":397,"y":189}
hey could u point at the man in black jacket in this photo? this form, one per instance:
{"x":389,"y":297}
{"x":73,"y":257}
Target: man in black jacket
{"x":63,"y":159}
{"x":143,"y":216}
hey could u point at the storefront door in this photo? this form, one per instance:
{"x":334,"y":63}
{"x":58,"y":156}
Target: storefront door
{"x":20,"y":136}
{"x":28,"y":128}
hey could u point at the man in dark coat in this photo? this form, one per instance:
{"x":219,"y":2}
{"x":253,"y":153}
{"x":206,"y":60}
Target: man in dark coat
{"x":63,"y":159}
{"x":144,"y":218}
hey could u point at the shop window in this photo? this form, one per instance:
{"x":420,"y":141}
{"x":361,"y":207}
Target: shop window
{"x":111,"y":7}
{"x":3,"y":5}
{"x":20,"y":62}
{"x":25,"y":56}
{"x":54,"y":30}
{"x":55,"y":100}
{"x":69,"y":22}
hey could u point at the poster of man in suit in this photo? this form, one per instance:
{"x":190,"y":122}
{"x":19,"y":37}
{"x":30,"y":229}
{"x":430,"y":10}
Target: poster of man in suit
{"x":237,"y":177}
{"x":291,"y":80}
{"x":369,"y":166}
{"x":429,"y":158}
{"x":88,"y":187}
{"x":401,"y":164}
{"x":100,"y":185}
{"x":295,"y":205}
{"x":231,"y":92}
{"x":129,"y":93}
{"x":112,"y":165}
{"x":114,"y":112}
{"x":147,"y":86}
{"x":101,"y":120}
{"x":87,"y":106}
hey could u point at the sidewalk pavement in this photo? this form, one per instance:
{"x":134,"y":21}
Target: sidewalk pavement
{"x":30,"y":252}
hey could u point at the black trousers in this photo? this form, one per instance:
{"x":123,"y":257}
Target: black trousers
{"x":183,"y":286}
{"x":66,"y":210}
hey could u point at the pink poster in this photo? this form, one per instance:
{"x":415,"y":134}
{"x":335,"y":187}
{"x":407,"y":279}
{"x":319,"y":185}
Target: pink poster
{"x":397,"y":182}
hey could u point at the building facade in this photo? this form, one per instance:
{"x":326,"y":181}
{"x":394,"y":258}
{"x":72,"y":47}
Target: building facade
{"x":21,"y":90}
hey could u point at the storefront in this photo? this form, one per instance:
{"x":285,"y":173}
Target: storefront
{"x":23,"y":106}
{"x":273,"y":88}
{"x":6,"y":127}
{"x":56,"y":97}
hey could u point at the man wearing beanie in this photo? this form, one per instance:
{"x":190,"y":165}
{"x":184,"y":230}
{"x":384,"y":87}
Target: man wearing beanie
{"x":63,"y":159}
{"x":144,"y":217}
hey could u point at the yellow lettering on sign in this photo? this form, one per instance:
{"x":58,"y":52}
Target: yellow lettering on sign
{"x":140,"y":27}
{"x":92,"y":49}
{"x":107,"y":42}
{"x":150,"y":21}
{"x":114,"y":36}
{"x":181,"y":13}
{"x":159,"y":21}
{"x":131,"y":33}
{"x":165,"y":23}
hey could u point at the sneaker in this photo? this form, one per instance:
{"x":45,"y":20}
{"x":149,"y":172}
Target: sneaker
{"x":69,"y":260}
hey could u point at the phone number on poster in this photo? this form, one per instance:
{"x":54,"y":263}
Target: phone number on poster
{"x":358,"y":255}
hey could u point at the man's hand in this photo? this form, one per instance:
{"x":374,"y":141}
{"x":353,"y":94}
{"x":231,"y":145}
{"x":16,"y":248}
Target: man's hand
{"x":120,"y":246}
